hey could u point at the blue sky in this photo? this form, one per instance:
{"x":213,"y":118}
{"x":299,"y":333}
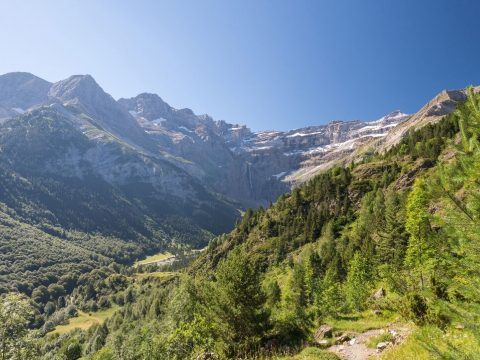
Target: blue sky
{"x":268,"y":64}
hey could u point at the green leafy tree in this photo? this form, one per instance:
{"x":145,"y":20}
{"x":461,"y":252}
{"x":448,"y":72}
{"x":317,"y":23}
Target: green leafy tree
{"x":16,"y":341}
{"x":332,"y":298}
{"x":291,"y":319}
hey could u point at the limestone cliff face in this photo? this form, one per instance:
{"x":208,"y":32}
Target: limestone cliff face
{"x":295,"y":156}
{"x":255,"y":168}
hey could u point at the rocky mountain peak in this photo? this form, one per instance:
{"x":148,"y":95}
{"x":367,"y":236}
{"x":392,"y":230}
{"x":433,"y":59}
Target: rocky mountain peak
{"x":147,"y":105}
{"x":21,"y":90}
{"x":83,"y":88}
{"x":149,"y":109}
{"x":83,"y":93}
{"x":393,"y":116}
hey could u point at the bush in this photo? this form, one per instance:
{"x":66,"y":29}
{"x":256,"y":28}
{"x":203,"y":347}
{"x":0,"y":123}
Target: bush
{"x":413,"y":307}
{"x":104,"y":354}
{"x":72,"y":350}
{"x":104,"y":302}
{"x":71,"y":311}
{"x":48,"y":326}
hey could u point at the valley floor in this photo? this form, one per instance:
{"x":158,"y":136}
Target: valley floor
{"x":84,"y":320}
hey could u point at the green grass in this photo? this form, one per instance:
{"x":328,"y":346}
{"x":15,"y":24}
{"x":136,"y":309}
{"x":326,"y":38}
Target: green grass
{"x":375,"y":340}
{"x":311,"y":353}
{"x":85,"y":320}
{"x":154,"y":258}
{"x":430,"y":343}
{"x":157,"y":274}
{"x":362,"y":322}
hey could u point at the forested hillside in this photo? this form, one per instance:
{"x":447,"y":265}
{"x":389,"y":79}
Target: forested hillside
{"x":60,"y":218}
{"x":392,"y":238}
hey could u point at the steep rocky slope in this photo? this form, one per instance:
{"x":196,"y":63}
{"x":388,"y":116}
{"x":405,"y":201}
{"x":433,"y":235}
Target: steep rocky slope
{"x":255,"y":168}
{"x":20,"y":91}
{"x":303,"y":152}
{"x":441,"y":105}
{"x":78,"y":172}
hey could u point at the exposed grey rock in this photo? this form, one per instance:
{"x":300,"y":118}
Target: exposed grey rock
{"x":80,"y":132}
{"x":253,"y":168}
{"x":343,"y":338}
{"x":322,"y":343}
{"x":383,"y":345}
{"x":82,"y":93}
{"x":394,"y":333}
{"x":379,"y":294}
{"x":324,"y":331}
{"x":19,"y":91}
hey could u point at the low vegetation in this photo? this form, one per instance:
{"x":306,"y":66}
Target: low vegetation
{"x":85,"y":321}
{"x":153,"y":259}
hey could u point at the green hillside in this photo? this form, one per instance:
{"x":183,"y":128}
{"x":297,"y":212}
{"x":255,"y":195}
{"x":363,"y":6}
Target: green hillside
{"x":61,"y":218}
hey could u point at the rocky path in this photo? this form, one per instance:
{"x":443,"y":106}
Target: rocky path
{"x":356,"y":348}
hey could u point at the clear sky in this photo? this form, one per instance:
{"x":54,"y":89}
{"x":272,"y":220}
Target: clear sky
{"x":268,"y":64}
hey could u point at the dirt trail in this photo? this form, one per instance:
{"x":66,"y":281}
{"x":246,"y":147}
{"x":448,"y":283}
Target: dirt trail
{"x":356,"y":349}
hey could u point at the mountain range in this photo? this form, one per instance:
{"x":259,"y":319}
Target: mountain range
{"x":172,"y":146}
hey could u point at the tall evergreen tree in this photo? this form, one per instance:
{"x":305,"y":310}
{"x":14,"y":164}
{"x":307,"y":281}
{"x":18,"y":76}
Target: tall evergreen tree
{"x":358,"y":283}
{"x":239,"y":302}
{"x":420,"y":250}
{"x":392,"y":237}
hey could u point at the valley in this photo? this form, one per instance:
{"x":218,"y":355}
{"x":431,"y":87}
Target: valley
{"x":105,"y":205}
{"x":239,"y":180}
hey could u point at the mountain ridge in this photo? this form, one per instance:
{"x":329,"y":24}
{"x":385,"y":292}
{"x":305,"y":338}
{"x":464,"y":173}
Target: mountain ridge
{"x":251,"y":168}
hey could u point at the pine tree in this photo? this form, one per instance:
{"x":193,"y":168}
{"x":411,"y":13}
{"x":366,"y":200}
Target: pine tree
{"x":239,"y":301}
{"x":331,"y":300}
{"x":358,"y":283}
{"x":392,"y":237}
{"x":312,"y":272}
{"x":420,"y":252}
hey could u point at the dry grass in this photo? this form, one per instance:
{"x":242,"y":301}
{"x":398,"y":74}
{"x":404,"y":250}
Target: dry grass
{"x":154,"y":258}
{"x":85,"y":320}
